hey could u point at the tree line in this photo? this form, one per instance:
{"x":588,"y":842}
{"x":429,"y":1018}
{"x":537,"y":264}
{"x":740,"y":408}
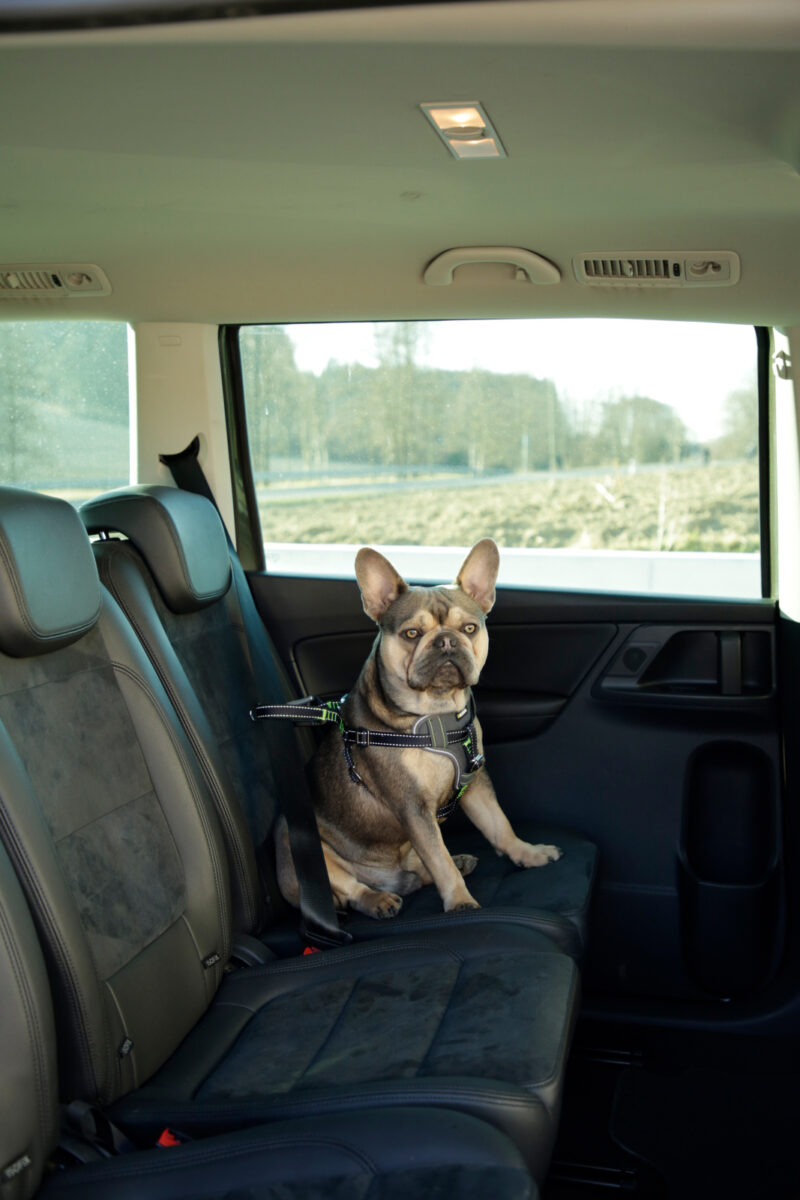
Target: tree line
{"x":64,"y":406}
{"x":409,"y":416}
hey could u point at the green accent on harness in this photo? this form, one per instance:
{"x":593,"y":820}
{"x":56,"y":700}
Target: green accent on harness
{"x":332,"y":713}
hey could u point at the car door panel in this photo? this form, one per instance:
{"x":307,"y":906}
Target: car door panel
{"x":647,"y":725}
{"x":529,"y":676}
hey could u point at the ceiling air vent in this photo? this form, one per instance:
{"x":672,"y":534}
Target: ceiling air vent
{"x":658,"y":268}
{"x":57,"y":280}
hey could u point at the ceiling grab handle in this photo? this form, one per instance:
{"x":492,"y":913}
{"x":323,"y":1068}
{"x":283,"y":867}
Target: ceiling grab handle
{"x":530,"y":267}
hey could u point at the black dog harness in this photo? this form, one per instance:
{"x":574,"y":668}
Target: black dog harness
{"x":452,"y":734}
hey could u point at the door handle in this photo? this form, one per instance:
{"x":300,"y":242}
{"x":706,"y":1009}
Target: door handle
{"x":691,"y":665}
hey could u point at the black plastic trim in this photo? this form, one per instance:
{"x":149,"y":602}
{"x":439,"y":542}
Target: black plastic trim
{"x":764,"y":343}
{"x":249,"y":545}
{"x":35,"y":16}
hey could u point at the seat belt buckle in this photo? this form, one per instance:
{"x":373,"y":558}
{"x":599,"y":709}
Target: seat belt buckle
{"x":316,"y":939}
{"x":91,"y":1124}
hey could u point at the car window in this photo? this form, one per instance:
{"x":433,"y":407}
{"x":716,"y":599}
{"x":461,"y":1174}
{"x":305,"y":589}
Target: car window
{"x":603,"y":455}
{"x":64,"y":400}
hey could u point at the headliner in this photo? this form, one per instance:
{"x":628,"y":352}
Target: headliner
{"x":278,"y":168}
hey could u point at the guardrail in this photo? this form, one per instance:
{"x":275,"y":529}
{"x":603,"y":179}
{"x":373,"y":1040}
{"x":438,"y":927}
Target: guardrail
{"x":645,"y":572}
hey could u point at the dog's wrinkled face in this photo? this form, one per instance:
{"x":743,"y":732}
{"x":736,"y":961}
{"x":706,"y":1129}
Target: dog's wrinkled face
{"x":434,"y":640}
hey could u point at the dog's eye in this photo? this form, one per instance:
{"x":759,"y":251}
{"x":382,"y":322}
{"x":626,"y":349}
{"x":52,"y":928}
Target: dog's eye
{"x":470,"y":628}
{"x":411,"y":634}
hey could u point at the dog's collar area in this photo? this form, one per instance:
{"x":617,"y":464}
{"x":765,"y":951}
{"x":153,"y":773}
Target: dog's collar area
{"x":452,"y":734}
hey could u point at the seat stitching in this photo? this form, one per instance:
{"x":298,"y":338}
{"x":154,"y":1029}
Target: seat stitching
{"x":32,"y":1014}
{"x":328,"y":1036}
{"x":439,"y":1023}
{"x":220,"y":890}
{"x":162,"y":1164}
{"x":60,"y":947}
{"x":106,"y":813}
{"x":353,"y":953}
{"x":372,"y":1093}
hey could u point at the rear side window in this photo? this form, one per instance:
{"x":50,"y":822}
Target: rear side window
{"x":600,"y":455}
{"x":64,"y":405}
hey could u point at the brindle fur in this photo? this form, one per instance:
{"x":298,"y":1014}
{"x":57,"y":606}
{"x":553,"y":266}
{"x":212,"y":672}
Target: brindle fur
{"x":382,"y":841}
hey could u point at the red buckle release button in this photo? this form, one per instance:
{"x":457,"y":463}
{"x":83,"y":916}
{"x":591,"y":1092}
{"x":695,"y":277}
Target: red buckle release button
{"x":168,"y":1138}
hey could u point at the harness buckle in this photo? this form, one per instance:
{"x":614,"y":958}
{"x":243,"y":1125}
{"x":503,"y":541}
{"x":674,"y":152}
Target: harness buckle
{"x":362,"y":737}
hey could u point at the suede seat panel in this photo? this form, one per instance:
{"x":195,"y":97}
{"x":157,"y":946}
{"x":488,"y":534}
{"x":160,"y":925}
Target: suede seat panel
{"x":561,"y":887}
{"x":317,"y":1035}
{"x":212,"y":653}
{"x":494,"y":1017}
{"x":560,"y":890}
{"x":382,"y":1012}
{"x":471,"y":1020}
{"x":97,"y":797}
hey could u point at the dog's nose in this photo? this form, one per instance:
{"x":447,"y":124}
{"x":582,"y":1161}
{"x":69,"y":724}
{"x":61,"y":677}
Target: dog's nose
{"x":445,"y":641}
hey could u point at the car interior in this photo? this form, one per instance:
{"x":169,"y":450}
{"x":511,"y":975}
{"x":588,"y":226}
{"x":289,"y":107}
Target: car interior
{"x":282,"y":280}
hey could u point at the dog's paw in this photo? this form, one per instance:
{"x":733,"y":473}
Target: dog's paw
{"x":526,"y":855}
{"x":466,"y":863}
{"x":380,"y":905}
{"x":466,"y":906}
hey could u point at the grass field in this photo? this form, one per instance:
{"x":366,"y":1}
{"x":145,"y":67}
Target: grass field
{"x":706,"y":508}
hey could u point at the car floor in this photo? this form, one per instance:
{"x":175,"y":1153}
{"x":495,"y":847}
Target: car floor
{"x":662,"y":1115}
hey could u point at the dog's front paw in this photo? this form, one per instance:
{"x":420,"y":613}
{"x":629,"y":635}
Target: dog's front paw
{"x":526,"y":855}
{"x":379,"y":905}
{"x":462,"y":901}
{"x":466,"y":863}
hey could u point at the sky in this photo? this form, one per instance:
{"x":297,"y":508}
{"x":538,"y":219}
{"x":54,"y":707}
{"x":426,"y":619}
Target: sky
{"x":692,"y":367}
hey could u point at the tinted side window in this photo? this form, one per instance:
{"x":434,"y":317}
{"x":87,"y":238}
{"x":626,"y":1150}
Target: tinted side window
{"x":605,"y":455}
{"x":64,"y":405}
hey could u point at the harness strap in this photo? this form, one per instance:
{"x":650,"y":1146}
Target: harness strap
{"x":436,"y":738}
{"x":302,"y":712}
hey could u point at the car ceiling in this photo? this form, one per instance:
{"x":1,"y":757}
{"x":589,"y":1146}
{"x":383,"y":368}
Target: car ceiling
{"x":279,"y":168}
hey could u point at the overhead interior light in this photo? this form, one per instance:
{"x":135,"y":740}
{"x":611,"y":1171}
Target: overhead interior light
{"x":465,"y":129}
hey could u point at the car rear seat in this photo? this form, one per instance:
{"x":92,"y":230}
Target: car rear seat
{"x":173,"y":580}
{"x":364,"y":1156}
{"x":112,"y":833}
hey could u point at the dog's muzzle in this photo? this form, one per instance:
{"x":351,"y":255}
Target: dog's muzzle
{"x":448,"y":666}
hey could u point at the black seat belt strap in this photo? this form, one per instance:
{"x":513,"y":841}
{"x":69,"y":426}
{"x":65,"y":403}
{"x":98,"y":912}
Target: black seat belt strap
{"x":320,"y":923}
{"x":93,"y":1127}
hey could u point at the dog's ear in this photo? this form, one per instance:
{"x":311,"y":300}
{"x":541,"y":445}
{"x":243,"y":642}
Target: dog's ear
{"x":479,"y":572}
{"x":379,"y":582}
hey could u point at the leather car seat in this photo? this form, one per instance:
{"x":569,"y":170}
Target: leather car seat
{"x":110,"y":827}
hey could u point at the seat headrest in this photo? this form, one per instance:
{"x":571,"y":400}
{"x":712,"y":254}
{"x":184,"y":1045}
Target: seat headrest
{"x":178,"y":534}
{"x":49,"y":588}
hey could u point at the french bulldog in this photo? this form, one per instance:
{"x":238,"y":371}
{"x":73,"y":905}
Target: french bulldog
{"x":377,"y":806}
